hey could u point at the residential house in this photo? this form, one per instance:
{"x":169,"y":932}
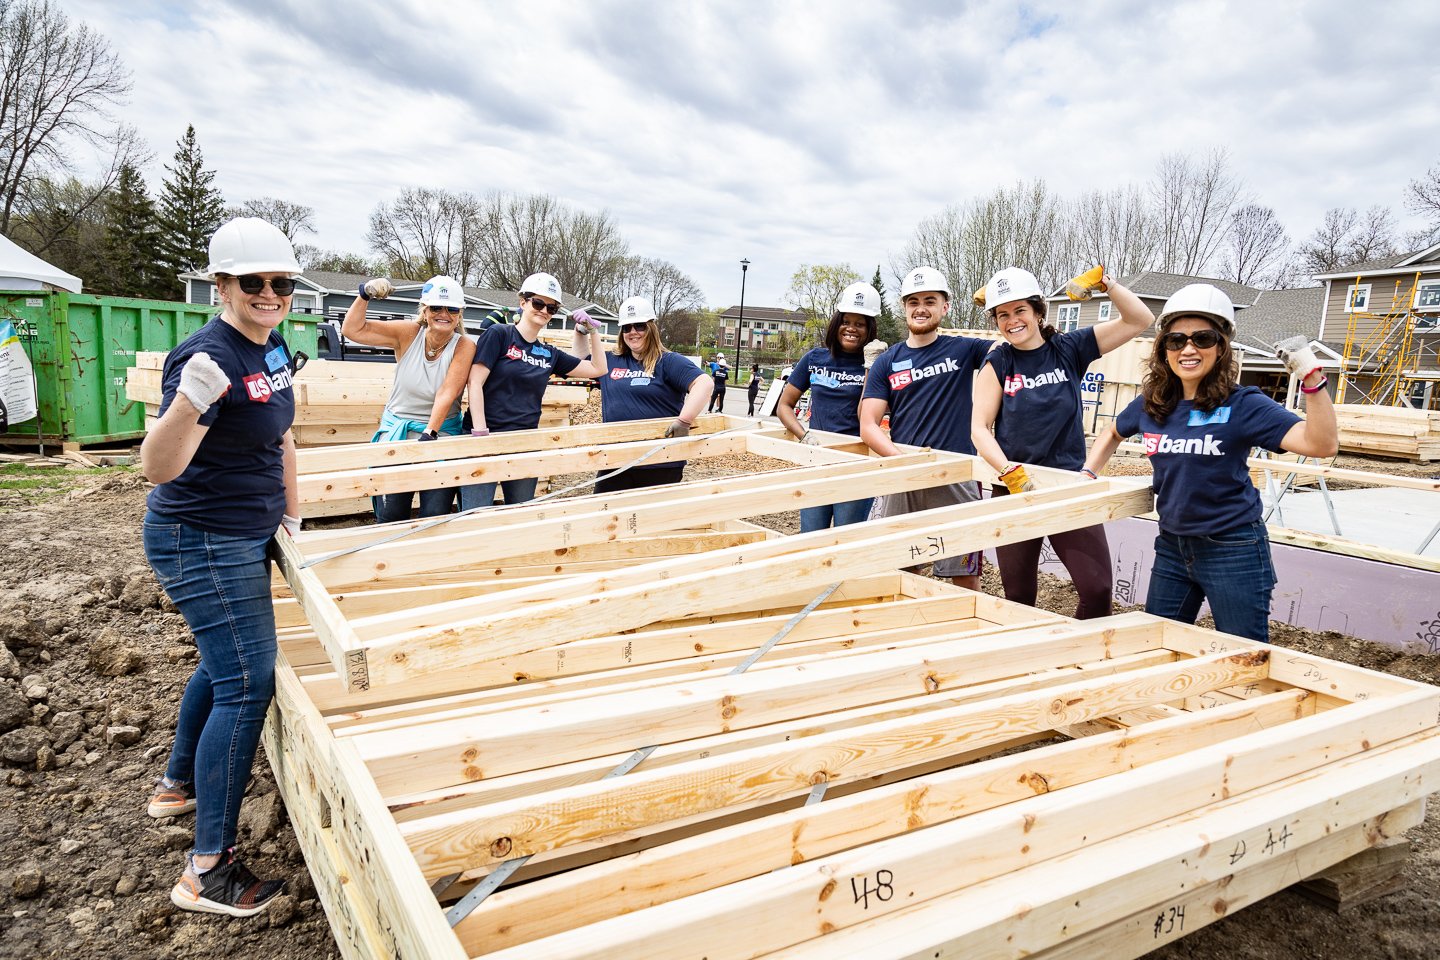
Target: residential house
{"x":1384,"y":317}
{"x":765,"y":329}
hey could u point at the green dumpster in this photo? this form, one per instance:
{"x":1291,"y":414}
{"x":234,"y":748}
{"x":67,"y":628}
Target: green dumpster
{"x":81,"y":345}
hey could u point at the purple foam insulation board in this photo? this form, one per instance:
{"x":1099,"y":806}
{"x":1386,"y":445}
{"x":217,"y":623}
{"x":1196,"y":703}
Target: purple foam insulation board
{"x":1381,"y":602}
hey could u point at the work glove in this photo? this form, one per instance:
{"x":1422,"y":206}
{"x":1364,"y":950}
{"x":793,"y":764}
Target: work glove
{"x":873,"y":349}
{"x":1016,"y":479}
{"x":202,"y":381}
{"x":290,"y":525}
{"x":809,"y":439}
{"x":480,"y":432}
{"x":584,"y":322}
{"x":427,"y":435}
{"x":677,"y":429}
{"x":1084,"y":286}
{"x":378,"y":288}
{"x":1297,"y":356}
{"x":979,"y":296}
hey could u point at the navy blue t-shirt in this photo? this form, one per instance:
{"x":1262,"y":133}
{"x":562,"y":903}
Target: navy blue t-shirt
{"x":1202,"y":484}
{"x":929,"y":391}
{"x":835,"y":381}
{"x":1040,"y":409}
{"x":519,"y":373}
{"x":720,"y":373}
{"x":627,"y":394}
{"x":235,"y":483}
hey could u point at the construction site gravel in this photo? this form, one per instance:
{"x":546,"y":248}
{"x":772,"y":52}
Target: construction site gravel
{"x":92,"y":666}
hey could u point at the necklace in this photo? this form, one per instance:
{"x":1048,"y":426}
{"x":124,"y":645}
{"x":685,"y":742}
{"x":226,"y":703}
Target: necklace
{"x":432,"y":354}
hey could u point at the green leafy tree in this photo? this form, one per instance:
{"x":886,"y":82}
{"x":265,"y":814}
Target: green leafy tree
{"x":888,"y":326}
{"x":814,"y":290}
{"x":131,"y":253}
{"x":191,"y":209}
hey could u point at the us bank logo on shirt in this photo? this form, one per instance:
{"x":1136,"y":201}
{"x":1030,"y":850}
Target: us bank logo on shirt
{"x":620,"y":373}
{"x":905,"y":375}
{"x":515,"y":353}
{"x":1017,"y":382}
{"x":1206,"y":446}
{"x":261,"y":387}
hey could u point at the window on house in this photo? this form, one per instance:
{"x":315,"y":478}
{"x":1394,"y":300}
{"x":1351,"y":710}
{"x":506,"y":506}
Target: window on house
{"x":214,"y":295}
{"x":1068,"y":317}
{"x":1357,"y":298}
{"x":1104,"y":312}
{"x":302,"y":304}
{"x":1427,"y":295}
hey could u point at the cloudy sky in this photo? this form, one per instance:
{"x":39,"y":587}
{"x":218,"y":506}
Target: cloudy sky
{"x":783,"y":132}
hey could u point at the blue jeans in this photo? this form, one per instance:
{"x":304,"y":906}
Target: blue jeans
{"x":221,"y":586}
{"x":396,"y":506}
{"x":483,"y":494}
{"x":819,"y":518}
{"x":1232,"y":569}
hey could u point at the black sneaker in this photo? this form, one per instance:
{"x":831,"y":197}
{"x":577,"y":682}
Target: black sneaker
{"x":229,"y":889}
{"x":169,"y":801}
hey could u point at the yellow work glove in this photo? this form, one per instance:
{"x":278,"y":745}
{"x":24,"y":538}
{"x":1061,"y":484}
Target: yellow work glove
{"x":979,"y":296}
{"x":1084,"y":286}
{"x":1016,"y":479}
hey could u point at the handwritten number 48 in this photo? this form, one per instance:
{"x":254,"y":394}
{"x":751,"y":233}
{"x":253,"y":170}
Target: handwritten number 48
{"x":883,"y":890}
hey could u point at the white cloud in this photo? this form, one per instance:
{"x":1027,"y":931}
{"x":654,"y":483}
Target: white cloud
{"x":787,"y":132}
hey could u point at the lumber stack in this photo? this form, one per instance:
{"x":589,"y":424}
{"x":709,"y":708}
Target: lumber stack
{"x":1396,"y":432}
{"x":911,"y":770}
{"x":335,"y":401}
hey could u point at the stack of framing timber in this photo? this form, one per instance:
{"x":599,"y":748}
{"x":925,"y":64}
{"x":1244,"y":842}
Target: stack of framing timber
{"x":335,"y":401}
{"x":1003,"y":782}
{"x":1382,"y":431}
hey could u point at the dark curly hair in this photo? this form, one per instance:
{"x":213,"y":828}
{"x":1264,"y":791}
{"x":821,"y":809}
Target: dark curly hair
{"x":1162,"y":389}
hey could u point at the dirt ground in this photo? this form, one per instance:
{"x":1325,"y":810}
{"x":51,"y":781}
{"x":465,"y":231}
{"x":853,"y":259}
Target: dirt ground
{"x":91,"y":670}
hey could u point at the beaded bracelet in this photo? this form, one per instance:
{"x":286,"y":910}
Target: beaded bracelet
{"x":1324,"y":381}
{"x":1089,"y":473}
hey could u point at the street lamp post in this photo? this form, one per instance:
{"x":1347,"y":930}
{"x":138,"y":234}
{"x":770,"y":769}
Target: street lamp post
{"x":740,"y":324}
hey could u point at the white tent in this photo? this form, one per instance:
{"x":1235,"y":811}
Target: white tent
{"x":22,"y":270}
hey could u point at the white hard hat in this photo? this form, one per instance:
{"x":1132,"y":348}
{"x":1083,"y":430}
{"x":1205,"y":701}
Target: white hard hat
{"x":859,"y":298}
{"x":442,"y":292}
{"x":542,"y":284}
{"x":250,"y":245}
{"x":1009,"y":284}
{"x":923,"y":280}
{"x":1201,"y":300}
{"x":636,"y":310}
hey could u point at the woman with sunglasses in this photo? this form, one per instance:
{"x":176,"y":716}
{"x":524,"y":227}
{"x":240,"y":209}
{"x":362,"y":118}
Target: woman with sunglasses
{"x":1199,"y":426}
{"x":433,"y":357}
{"x":1028,"y":392}
{"x":512,"y":367}
{"x":645,"y":381}
{"x":835,"y":376}
{"x":223,"y":459}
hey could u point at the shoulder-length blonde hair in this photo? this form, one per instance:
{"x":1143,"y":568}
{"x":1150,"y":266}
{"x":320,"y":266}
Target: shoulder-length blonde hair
{"x":649,"y":354}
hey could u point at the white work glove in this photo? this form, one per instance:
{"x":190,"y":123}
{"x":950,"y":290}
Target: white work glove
{"x":202,"y":381}
{"x":290,"y":525}
{"x":809,"y":439}
{"x":679,"y":428}
{"x":1297,"y":356}
{"x":377,"y":289}
{"x":584,"y":322}
{"x":873,"y":349}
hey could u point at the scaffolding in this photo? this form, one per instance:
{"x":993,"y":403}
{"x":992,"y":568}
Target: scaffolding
{"x":1383,"y":355}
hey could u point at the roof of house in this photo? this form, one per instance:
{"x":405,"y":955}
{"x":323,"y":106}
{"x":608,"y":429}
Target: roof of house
{"x":766,"y":313}
{"x":1277,"y":314}
{"x":1398,"y":263}
{"x":1155,"y":285}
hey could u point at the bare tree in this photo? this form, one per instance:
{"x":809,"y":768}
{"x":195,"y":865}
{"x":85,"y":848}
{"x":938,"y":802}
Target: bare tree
{"x":814,"y":291}
{"x":519,"y":234}
{"x":51,"y":206}
{"x":1374,"y":236}
{"x":1346,"y":238}
{"x":589,"y":252}
{"x":1193,"y":200}
{"x":1255,"y":246}
{"x":1117,"y":228}
{"x":292,"y":219}
{"x":337,"y":261}
{"x":58,"y":84}
{"x":1422,"y":197}
{"x":425,"y":232}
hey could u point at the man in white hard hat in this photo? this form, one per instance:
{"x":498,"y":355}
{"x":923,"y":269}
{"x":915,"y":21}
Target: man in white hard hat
{"x":924,"y":384}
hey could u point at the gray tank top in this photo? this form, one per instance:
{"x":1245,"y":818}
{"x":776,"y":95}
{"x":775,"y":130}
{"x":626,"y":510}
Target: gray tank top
{"x":417,"y":380}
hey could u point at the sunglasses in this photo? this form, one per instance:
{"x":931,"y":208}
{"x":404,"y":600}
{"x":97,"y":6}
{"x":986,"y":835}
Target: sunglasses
{"x":539,"y":304}
{"x":252,"y":284}
{"x":632,"y":327}
{"x":453,"y":311}
{"x":1203,"y":340}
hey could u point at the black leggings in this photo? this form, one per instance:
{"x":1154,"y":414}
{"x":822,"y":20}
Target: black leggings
{"x":1085,"y":554}
{"x":637,"y":477}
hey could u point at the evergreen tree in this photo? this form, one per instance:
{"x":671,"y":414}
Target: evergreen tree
{"x":888,"y":327}
{"x":132,"y":260}
{"x":191,"y":209}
